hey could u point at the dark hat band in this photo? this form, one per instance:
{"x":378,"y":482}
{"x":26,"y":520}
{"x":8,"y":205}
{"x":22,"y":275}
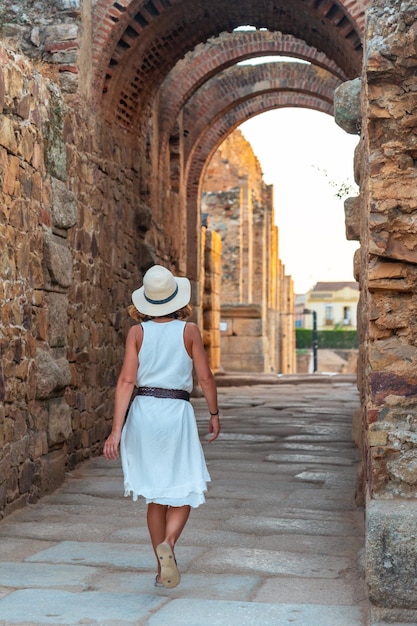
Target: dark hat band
{"x":171,"y":297}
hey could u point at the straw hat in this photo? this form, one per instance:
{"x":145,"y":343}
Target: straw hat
{"x":162,"y":292}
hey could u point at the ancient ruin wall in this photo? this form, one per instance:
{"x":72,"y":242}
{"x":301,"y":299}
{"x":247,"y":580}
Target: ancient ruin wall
{"x":72,"y":236}
{"x":389,"y":246}
{"x":239,"y":207}
{"x":388,"y":327}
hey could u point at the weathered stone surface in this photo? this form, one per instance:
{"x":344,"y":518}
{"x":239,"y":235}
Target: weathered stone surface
{"x":58,"y":319}
{"x":391,"y":354}
{"x":64,"y":205}
{"x":347,"y":106}
{"x":51,"y":374}
{"x":60,"y":32}
{"x":58,"y":260}
{"x":55,"y":153}
{"x":52,"y":472}
{"x":7,"y":136}
{"x":352,"y":208}
{"x":404,"y":469}
{"x":391,"y":556}
{"x":59,"y":426}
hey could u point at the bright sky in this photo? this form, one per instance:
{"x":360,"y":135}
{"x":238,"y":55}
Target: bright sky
{"x":307,"y":158}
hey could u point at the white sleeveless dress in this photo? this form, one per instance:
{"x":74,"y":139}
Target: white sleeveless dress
{"x":162,"y":457}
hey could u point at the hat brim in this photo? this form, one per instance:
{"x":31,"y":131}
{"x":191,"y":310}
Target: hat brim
{"x":182,"y":298}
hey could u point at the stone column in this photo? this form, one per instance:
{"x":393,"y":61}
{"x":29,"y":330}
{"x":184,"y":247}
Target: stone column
{"x":388,"y":275}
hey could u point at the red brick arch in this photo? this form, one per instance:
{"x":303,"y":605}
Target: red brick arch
{"x":219,"y":53}
{"x":215,"y":133}
{"x":239,"y":83}
{"x":136,"y":43}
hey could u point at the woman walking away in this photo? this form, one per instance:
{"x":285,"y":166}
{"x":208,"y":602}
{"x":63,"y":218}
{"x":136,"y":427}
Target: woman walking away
{"x":162,"y":457}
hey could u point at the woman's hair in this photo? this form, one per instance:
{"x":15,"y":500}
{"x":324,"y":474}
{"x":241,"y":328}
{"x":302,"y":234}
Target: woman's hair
{"x":182,"y":314}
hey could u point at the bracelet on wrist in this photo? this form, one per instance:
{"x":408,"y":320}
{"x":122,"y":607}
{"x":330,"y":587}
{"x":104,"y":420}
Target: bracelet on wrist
{"x":213,"y":414}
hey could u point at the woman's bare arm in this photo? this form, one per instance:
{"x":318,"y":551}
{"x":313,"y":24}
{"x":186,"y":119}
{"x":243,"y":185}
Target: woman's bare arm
{"x":195,"y":348}
{"x":124,"y":390}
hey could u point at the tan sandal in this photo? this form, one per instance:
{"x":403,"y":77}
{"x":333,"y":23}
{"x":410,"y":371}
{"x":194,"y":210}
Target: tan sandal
{"x":170,"y":575}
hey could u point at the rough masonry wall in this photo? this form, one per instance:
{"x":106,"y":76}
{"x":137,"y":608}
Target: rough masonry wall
{"x":72,"y":236}
{"x":387,"y":169}
{"x":390,"y":245}
{"x":232,"y":190}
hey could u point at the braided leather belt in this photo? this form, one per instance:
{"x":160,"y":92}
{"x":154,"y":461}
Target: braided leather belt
{"x":159,"y":392}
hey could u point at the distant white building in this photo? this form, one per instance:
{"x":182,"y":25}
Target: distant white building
{"x":335,"y":305}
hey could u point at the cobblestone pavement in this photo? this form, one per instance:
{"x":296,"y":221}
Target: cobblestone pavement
{"x":279,"y":541}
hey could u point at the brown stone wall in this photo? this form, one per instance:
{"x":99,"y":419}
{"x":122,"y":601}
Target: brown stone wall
{"x":231,"y":189}
{"x":387,"y":268}
{"x":72,"y":235}
{"x":37,"y":211}
{"x":389,"y":250}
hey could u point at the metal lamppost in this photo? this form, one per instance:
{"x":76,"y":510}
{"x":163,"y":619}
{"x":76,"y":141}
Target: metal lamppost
{"x":315,"y":338}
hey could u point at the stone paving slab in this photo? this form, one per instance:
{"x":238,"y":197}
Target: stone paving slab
{"x":206,"y":612}
{"x":40,"y":607}
{"x":22,"y":575}
{"x":310,"y":544}
{"x":219,"y":587}
{"x":133,"y":556}
{"x":313,"y":591}
{"x":273,"y":525}
{"x":243,"y":560}
{"x":313,"y":459}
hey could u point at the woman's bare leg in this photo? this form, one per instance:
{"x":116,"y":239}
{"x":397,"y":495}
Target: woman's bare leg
{"x":176,"y":519}
{"x":165,"y":524}
{"x":156,"y":519}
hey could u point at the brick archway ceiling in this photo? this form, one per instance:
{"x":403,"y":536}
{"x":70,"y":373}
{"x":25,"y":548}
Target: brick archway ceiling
{"x":224,"y":125}
{"x":239,"y":83}
{"x":244,"y":110}
{"x":142,"y":40}
{"x":219,"y":53}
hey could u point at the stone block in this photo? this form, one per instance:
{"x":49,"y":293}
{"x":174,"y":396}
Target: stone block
{"x":242,"y":363}
{"x":247,"y":327}
{"x":249,"y":346}
{"x":347,"y":106}
{"x":7,"y":134}
{"x":51,"y":374}
{"x":26,"y":143}
{"x":19,"y":451}
{"x":11,"y":174}
{"x":55,"y":149}
{"x":27,"y":473}
{"x":52,"y":471}
{"x":391,"y":555}
{"x":13,"y":82}
{"x":352,"y":207}
{"x":40,"y":323}
{"x":60,"y":32}
{"x":59,"y":426}
{"x":58,"y":318}
{"x":58,"y":260}
{"x":377,"y":438}
{"x":38,"y":445}
{"x":64,"y":205}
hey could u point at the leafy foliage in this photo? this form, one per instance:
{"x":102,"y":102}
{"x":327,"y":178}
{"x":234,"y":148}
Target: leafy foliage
{"x":327,"y":339}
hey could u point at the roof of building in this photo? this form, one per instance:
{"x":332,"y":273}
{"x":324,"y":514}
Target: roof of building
{"x":335,"y":286}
